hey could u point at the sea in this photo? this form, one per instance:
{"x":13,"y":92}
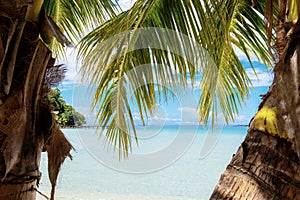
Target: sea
{"x":170,"y":162}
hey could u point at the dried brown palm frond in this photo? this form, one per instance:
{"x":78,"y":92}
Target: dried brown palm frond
{"x":55,"y":75}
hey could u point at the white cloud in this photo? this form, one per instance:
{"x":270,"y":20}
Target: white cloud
{"x":66,"y":85}
{"x":263,"y":78}
{"x":188,"y":109}
{"x":72,"y":74}
{"x":187,"y":123}
{"x":241,"y":119}
{"x":243,"y":57}
{"x":189,"y":115}
{"x":157,"y":118}
{"x":126,"y":4}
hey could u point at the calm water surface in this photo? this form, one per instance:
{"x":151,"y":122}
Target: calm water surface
{"x":191,"y":173}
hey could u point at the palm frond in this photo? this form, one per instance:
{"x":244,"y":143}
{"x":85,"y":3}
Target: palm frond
{"x":76,"y":18}
{"x":194,"y":36}
{"x":231,"y":24}
{"x":54,"y":75}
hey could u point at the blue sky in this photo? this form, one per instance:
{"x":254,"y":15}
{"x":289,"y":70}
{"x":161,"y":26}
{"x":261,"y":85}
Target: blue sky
{"x":182,"y":110}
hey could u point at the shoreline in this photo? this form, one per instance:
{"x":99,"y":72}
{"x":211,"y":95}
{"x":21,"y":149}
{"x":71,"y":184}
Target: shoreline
{"x":201,"y":126}
{"x":189,"y":178}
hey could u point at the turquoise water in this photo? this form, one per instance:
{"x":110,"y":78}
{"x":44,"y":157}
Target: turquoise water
{"x":182,"y":162}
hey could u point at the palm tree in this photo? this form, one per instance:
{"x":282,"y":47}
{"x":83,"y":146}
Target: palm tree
{"x":27,"y":124}
{"x":266,"y":166}
{"x":264,"y":162}
{"x":118,"y":47}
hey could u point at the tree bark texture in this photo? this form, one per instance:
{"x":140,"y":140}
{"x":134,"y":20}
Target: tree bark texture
{"x":264,"y":167}
{"x":27,"y":126}
{"x":267,"y":166}
{"x":25,"y":190}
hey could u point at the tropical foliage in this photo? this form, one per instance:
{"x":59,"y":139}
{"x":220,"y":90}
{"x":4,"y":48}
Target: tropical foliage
{"x":75,"y":18}
{"x":65,"y":115}
{"x":218,"y":27}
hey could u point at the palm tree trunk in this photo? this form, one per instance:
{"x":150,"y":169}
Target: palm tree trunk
{"x":27,"y":126}
{"x":267,"y":166}
{"x":22,"y":72}
{"x":18,"y":191}
{"x":264,"y":167}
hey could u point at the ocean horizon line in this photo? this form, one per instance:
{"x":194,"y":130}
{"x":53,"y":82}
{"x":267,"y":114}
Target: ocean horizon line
{"x":157,"y":126}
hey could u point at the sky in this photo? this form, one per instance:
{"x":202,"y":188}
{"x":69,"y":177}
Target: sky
{"x":125,"y":4}
{"x":182,"y":111}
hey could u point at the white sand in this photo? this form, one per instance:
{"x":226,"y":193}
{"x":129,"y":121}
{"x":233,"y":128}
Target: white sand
{"x":99,"y":196}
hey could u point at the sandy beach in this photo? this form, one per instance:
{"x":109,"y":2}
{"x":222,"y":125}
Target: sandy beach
{"x":100,"y":196}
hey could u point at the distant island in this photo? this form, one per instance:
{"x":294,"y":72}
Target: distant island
{"x":65,"y":115}
{"x":239,"y":125}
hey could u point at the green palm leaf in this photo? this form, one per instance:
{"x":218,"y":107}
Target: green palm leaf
{"x":77,"y":17}
{"x":118,"y":48}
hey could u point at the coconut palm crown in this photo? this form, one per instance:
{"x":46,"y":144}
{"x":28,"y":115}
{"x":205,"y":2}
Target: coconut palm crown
{"x":119,"y":46}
